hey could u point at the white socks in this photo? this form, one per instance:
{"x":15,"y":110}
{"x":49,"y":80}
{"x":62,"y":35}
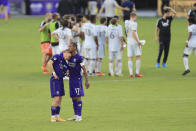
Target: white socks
{"x":120,"y":67}
{"x":186,"y":63}
{"x":111,"y":68}
{"x":138,"y":63}
{"x":91,"y":66}
{"x":130,"y":65}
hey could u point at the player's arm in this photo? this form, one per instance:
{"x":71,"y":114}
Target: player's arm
{"x":55,"y":35}
{"x":135,"y":37}
{"x":50,"y":65}
{"x":82,"y":36}
{"x":172,"y":10}
{"x":121,"y":41}
{"x":156,"y":34}
{"x":43,"y":27}
{"x":85,"y":75}
{"x":96,"y":41}
{"x":189,"y":37}
{"x":100,"y":11}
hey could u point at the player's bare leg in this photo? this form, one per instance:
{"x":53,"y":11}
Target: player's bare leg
{"x":45,"y":59}
{"x":186,"y":65}
{"x":138,"y":64}
{"x":77,"y":106}
{"x":55,"y":109}
{"x":130,"y":66}
{"x":5,"y":10}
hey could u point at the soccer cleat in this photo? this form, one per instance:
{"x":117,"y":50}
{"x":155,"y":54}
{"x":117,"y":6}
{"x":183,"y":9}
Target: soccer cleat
{"x":110,"y":74}
{"x":54,"y":119}
{"x":158,"y":65}
{"x":100,"y":74}
{"x":186,"y":72}
{"x":46,"y":72}
{"x":164,"y":65}
{"x":131,"y":76}
{"x":73,"y":118}
{"x":138,"y":75}
{"x":60,"y":120}
{"x":78,"y":119}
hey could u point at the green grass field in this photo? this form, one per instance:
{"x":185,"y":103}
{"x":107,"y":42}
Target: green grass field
{"x":163,"y":100}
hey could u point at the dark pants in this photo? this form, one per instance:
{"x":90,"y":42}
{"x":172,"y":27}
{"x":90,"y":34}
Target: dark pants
{"x":163,"y":46}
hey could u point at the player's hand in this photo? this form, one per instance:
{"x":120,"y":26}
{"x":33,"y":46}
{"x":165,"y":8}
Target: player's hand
{"x":87,"y":84}
{"x":47,"y":24}
{"x":156,"y":40}
{"x":55,"y":76}
{"x":122,"y":47}
{"x":140,"y":43}
{"x":127,"y":9}
{"x":186,"y":43}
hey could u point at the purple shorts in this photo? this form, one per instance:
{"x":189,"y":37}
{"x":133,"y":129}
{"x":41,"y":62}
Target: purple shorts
{"x":76,"y":88}
{"x":56,"y":87}
{"x":4,"y":2}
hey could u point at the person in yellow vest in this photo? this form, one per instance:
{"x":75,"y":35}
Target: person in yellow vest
{"x":54,"y":25}
{"x":45,"y":42}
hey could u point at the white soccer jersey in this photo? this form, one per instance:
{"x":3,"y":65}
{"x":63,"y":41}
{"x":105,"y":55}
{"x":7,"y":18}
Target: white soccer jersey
{"x":132,"y":26}
{"x":109,"y":6}
{"x":89,"y":30}
{"x":101,"y":34}
{"x":114,"y":33}
{"x":192,"y":41}
{"x":75,"y":38}
{"x":127,"y":22}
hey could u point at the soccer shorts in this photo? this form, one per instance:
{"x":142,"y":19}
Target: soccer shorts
{"x":101,"y":51}
{"x":189,"y":50}
{"x":56,"y":87}
{"x":76,"y":88}
{"x":3,"y":2}
{"x":90,"y":53}
{"x":115,"y":54}
{"x":55,"y":50}
{"x":133,"y":50}
{"x":63,"y":48}
{"x":45,"y":47}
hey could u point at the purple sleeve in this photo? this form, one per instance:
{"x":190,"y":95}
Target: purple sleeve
{"x":80,"y":59}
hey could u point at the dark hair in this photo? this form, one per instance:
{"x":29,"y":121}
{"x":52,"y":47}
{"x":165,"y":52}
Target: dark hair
{"x":86,"y":16}
{"x":194,"y":4}
{"x":113,"y":21}
{"x":92,"y":18}
{"x":116,"y":17}
{"x":102,"y":20}
{"x":55,"y":15}
{"x":165,"y":11}
{"x":74,"y":44}
{"x":79,"y":18}
{"x":73,"y":18}
{"x":64,"y":23}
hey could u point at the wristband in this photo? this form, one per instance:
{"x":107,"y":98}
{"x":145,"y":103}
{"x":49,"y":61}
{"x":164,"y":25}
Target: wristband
{"x":53,"y":73}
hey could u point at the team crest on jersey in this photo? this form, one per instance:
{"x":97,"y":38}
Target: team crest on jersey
{"x":57,"y":92}
{"x":55,"y":58}
{"x":165,"y":24}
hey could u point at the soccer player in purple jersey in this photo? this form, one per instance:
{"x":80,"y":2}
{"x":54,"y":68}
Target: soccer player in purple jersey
{"x":76,"y":65}
{"x":4,"y":9}
{"x":59,"y":68}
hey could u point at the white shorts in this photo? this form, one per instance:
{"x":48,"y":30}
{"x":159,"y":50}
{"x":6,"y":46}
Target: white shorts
{"x":115,"y":54}
{"x":134,"y":50}
{"x":63,"y":48}
{"x":189,"y":50}
{"x":101,"y":51}
{"x":93,"y":7}
{"x":90,"y":53}
{"x":55,"y":50}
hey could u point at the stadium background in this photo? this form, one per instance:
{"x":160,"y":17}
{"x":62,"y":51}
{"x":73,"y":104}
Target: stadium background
{"x":161,"y":101}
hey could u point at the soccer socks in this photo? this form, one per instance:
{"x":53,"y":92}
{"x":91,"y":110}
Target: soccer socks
{"x":111,"y":68}
{"x":92,"y":66}
{"x":98,"y":66}
{"x":75,"y":106}
{"x":130,"y":65}
{"x":116,"y":67}
{"x":79,"y":108}
{"x":53,"y":111}
{"x":58,"y":109}
{"x":186,"y":63}
{"x":138,"y":64}
{"x":120,"y":67}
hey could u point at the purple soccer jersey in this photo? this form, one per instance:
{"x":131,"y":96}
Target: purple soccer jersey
{"x":75,"y":79}
{"x":4,"y":2}
{"x":60,"y":66}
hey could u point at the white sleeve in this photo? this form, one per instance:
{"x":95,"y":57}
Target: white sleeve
{"x":69,"y":33}
{"x":190,"y":29}
{"x":133,"y":26}
{"x":189,"y":12}
{"x":115,"y":3}
{"x":56,"y":32}
{"x":120,"y":32}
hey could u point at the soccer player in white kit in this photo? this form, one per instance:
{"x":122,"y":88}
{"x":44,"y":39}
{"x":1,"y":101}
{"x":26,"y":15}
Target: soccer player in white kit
{"x":101,"y":36}
{"x":133,"y":45}
{"x":114,"y":41}
{"x":63,"y":35}
{"x":190,"y":46}
{"x":90,"y":44}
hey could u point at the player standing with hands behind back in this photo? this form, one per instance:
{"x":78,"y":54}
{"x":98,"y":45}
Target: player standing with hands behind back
{"x":164,"y":29}
{"x":76,"y":65}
